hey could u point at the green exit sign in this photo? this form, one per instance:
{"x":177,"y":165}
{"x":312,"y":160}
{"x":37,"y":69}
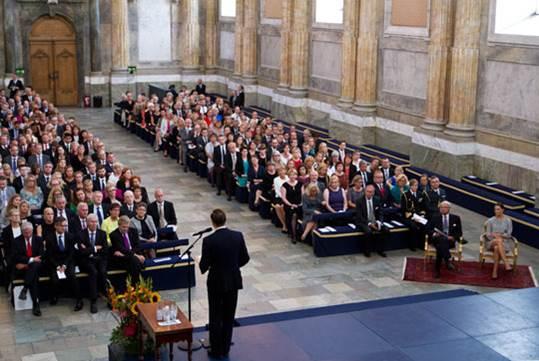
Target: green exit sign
{"x":19,"y":71}
{"x":131,"y":69}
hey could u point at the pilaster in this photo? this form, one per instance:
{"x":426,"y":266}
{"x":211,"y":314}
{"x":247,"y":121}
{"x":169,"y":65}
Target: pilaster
{"x":299,"y":62}
{"x":191,"y":27}
{"x":349,"y":52}
{"x":120,"y":35}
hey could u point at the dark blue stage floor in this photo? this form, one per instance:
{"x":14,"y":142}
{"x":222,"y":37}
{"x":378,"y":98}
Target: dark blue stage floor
{"x":455,"y":325}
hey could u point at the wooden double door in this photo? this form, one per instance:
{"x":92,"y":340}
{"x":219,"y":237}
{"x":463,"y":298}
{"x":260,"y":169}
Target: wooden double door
{"x":53,"y":61}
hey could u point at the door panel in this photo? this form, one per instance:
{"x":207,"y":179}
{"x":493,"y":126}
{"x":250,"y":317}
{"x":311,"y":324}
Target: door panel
{"x":42,"y":66}
{"x":65,"y":63}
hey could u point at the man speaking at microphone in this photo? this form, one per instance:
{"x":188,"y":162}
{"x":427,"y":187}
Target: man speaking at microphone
{"x":223,"y":253}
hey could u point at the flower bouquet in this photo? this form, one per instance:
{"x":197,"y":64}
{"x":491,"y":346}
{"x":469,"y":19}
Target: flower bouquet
{"x":124,"y":307}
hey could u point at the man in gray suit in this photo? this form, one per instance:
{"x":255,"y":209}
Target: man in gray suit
{"x":6,"y":192}
{"x":186,"y":135}
{"x":38,"y":157}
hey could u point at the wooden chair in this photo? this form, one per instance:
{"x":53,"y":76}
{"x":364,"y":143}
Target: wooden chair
{"x":485,"y":253}
{"x":430,"y":251}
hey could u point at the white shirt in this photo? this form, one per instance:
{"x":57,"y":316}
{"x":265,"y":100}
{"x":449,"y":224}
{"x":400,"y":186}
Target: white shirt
{"x":277,"y":184}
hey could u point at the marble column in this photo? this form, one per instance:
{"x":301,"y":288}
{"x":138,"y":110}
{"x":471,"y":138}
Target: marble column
{"x":299,"y":59}
{"x":349,"y":50}
{"x":12,"y":37}
{"x":238,"y":39}
{"x":249,"y":41}
{"x":438,"y":71}
{"x":367,"y":55}
{"x":286,"y":34}
{"x":210,"y":59}
{"x":464,"y":69}
{"x":120,"y":35}
{"x":191,"y":36}
{"x":95,"y":36}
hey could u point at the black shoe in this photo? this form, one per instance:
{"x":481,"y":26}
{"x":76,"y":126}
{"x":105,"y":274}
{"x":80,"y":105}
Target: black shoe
{"x":53,"y":301}
{"x":382,"y":254}
{"x":22,"y":295}
{"x":229,"y":198}
{"x":185,"y":169}
{"x":218,"y":193}
{"x":78,"y":305}
{"x":450,"y":266}
{"x":36,"y":311}
{"x":93,"y":307}
{"x":214,"y":355}
{"x":412,"y":249}
{"x":367,"y":254}
{"x":464,"y":241}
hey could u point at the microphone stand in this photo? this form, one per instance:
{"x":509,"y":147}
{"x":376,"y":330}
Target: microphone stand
{"x":183,"y":345}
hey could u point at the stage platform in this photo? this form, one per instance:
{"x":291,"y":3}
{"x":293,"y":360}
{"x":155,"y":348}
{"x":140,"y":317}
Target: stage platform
{"x":453,"y":325}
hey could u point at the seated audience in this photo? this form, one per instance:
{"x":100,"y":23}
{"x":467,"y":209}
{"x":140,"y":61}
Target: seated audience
{"x":412,"y":204}
{"x":110,"y":223}
{"x":335,"y":196}
{"x":355,"y":192}
{"x":277,"y":201}
{"x":145,"y":227}
{"x":291,"y":197}
{"x":311,"y":205}
{"x":433,"y":197}
{"x":163,"y":215}
{"x":499,"y":229}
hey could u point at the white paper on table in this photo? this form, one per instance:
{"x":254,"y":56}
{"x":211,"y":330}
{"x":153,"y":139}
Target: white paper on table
{"x":417,"y":218}
{"x":331,"y":229}
{"x":389,"y":225}
{"x":61,"y":275}
{"x":472,"y":177}
{"x":517,"y":192}
{"x":185,"y":257}
{"x":323,"y":230}
{"x":351,"y":225}
{"x":77,"y":269}
{"x":492,"y":183}
{"x":169,"y":323}
{"x":397,"y":223}
{"x":162,"y":259}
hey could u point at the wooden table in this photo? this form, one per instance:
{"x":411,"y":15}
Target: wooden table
{"x":163,"y":334}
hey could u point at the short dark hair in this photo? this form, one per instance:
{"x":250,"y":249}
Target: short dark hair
{"x":499,"y":204}
{"x":59,"y":220}
{"x":218,"y":217}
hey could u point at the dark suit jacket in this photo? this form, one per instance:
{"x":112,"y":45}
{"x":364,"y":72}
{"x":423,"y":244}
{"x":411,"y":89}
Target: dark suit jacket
{"x":228,"y":162}
{"x":361,"y":210}
{"x":54,"y":256}
{"x":124,"y":211}
{"x":97,"y":185}
{"x":223,"y":253}
{"x":33,"y":160}
{"x":385,"y":199}
{"x":411,"y":204}
{"x":100,"y":240}
{"x":117,"y":242}
{"x":18,"y":251}
{"x":432,"y":200}
{"x":217,"y":156}
{"x":239,"y":100}
{"x":391,"y":173}
{"x":75,"y":227}
{"x":170,"y":213}
{"x":455,"y":226}
{"x":104,"y":207}
{"x":8,"y":239}
{"x":18,"y":184}
{"x":200,"y":88}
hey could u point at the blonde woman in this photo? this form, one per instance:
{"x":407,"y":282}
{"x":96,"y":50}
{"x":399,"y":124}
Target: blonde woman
{"x":311,"y":205}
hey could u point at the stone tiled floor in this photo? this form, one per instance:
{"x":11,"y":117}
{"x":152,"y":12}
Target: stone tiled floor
{"x":280,"y":276}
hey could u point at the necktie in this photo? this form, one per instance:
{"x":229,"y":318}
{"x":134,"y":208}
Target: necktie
{"x":102,"y":184}
{"x":4,"y":198}
{"x":127,"y":245}
{"x":446,"y":224}
{"x":39,"y":160}
{"x":381,"y":189}
{"x":28,"y":248}
{"x":92,"y":238}
{"x":99,"y":215}
{"x":83,"y":221}
{"x":61,"y":243}
{"x":162,"y":221}
{"x":47,"y":178}
{"x":222,"y":154}
{"x":370,"y":213}
{"x":14,"y":163}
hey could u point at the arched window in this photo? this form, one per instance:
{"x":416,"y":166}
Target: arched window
{"x":228,"y":8}
{"x":329,"y":11}
{"x":517,"y":17}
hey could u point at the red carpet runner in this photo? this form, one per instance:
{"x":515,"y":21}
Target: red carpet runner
{"x":469,"y":273}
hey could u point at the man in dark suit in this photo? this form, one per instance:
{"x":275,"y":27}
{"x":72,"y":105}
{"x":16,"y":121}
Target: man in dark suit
{"x":434,"y":197}
{"x":200,"y":88}
{"x":223,"y":253}
{"x":92,"y":258}
{"x":6,"y":192}
{"x":445,"y":230}
{"x":27,"y":253}
{"x":45,"y":177}
{"x":38,"y":157}
{"x":128,"y":207}
{"x":60,"y":249}
{"x":100,"y":209}
{"x":370,"y":221}
{"x":412,"y":203}
{"x":100,"y":182}
{"x":239,"y":100}
{"x":186,"y":136}
{"x":79,"y":222}
{"x":126,"y":250}
{"x":61,"y":210}
{"x":162,"y":211}
{"x":12,"y":158}
{"x":15,"y":85}
{"x":219,"y":153}
{"x":386,"y":169}
{"x":365,"y":176}
{"x":231,"y":159}
{"x":381,"y":189}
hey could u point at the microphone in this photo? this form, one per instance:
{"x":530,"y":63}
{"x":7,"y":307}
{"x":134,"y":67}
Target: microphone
{"x":209,"y":229}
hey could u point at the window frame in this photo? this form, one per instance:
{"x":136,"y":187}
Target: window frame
{"x":508,"y":39}
{"x":326,"y":25}
{"x":226,"y":17}
{"x":405,"y":31}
